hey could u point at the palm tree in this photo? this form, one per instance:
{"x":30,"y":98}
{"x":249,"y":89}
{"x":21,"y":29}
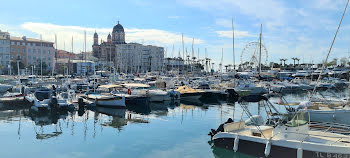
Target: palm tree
{"x":284,"y":62}
{"x":297,"y":60}
{"x":294,"y":60}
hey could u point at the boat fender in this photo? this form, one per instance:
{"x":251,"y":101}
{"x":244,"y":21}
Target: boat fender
{"x":235,"y":144}
{"x":267,"y":149}
{"x":129,"y":91}
{"x":300,"y":153}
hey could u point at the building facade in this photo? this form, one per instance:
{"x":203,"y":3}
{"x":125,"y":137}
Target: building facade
{"x":172,"y":64}
{"x":138,"y":58}
{"x":4,"y":50}
{"x":62,"y":54}
{"x":30,"y":51}
{"x":127,"y":57}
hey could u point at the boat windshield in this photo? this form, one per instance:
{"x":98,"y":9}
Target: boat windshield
{"x":298,"y":119}
{"x":42,"y":95}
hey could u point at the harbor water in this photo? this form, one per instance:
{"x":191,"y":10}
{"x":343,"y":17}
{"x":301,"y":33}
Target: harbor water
{"x":156,"y":130}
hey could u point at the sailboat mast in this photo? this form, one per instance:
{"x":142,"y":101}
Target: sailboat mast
{"x":222,"y":58}
{"x":260,"y":49}
{"x":198,"y":56}
{"x":172,"y":57}
{"x":53,"y":68}
{"x":183,"y":48}
{"x":41,"y":57}
{"x":69,"y":57}
{"x":192,"y":56}
{"x":233,"y":46}
{"x":206,"y":60}
{"x":85,"y":51}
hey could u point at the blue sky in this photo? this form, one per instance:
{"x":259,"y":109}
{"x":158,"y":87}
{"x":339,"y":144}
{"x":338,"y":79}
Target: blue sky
{"x":296,"y":28}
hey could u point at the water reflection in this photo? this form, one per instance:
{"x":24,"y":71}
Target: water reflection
{"x":153,"y":107}
{"x":136,"y":131}
{"x":223,"y":153}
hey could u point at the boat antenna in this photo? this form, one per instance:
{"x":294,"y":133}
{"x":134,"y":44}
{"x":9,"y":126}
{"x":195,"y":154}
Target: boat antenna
{"x":329,"y":51}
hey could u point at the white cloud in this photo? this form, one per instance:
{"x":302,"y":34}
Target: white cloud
{"x":65,"y":33}
{"x":238,"y":34}
{"x":328,"y":4}
{"x":158,"y":36}
{"x":271,"y":11}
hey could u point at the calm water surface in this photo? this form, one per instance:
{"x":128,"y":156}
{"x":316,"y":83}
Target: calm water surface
{"x":158,"y":130}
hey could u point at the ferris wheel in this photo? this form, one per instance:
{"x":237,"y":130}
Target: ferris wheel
{"x":250,"y":54}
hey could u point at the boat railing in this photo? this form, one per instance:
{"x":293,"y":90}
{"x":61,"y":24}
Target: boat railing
{"x":330,"y":127}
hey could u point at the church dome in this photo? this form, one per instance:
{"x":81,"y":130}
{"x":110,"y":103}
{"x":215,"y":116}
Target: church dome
{"x":109,"y":36}
{"x":118,"y":28}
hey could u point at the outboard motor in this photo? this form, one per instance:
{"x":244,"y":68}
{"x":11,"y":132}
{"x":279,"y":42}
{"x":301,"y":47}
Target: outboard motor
{"x":54,"y":103}
{"x":81,"y":103}
{"x":220,"y":128}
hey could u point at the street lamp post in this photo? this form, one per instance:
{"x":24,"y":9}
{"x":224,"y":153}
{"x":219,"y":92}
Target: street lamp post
{"x":18,"y":60}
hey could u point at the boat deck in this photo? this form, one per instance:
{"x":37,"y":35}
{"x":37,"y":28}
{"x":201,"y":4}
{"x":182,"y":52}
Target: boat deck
{"x":267,"y":132}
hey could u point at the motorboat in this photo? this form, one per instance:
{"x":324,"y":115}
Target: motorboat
{"x":105,"y":99}
{"x":285,"y":75}
{"x":247,"y":74}
{"x":279,"y":87}
{"x":302,"y":74}
{"x":189,"y":93}
{"x":135,"y":94}
{"x":158,"y":95}
{"x":319,"y":113}
{"x":65,"y":100}
{"x":40,"y":99}
{"x":291,"y":138}
{"x":247,"y":88}
{"x":318,"y":72}
{"x":12,"y":97}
